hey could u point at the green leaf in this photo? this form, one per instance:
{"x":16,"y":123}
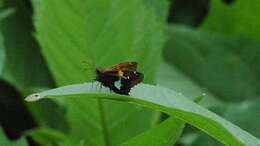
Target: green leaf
{"x":164,"y":134}
{"x":51,"y":137}
{"x":100,"y":33}
{"x":226,"y":67}
{"x":2,"y":53}
{"x":3,"y":14}
{"x":165,"y":100}
{"x":47,"y":113}
{"x":106,"y":119}
{"x":238,"y":18}
{"x":6,"y":12}
{"x":204,"y":139}
{"x":5,"y":142}
{"x":245,"y":115}
{"x":46,"y":136}
{"x":171,"y":77}
{"x":24,"y":66}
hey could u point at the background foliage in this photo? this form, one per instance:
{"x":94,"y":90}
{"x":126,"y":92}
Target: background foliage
{"x":191,"y":47}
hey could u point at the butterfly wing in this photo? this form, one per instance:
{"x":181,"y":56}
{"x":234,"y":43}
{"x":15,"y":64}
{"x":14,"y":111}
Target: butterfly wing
{"x":107,"y":79}
{"x":134,"y":79}
{"x":130,"y":66}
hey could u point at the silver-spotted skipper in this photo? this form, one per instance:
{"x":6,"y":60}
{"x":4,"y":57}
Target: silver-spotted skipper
{"x":126,"y":73}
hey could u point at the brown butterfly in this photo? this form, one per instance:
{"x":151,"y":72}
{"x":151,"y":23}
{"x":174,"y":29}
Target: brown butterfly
{"x":125,"y":72}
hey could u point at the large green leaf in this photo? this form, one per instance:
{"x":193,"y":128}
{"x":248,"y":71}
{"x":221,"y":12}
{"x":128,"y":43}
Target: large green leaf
{"x":240,"y":17}
{"x":101,"y":33}
{"x":24,"y":65}
{"x":167,"y":133}
{"x":226,"y":67}
{"x":4,"y":141}
{"x":165,"y":100}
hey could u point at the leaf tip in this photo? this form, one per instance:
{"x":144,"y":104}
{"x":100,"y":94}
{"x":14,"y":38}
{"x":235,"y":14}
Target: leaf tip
{"x":33,"y":97}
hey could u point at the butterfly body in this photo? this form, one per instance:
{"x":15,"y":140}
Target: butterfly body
{"x":125,"y":73}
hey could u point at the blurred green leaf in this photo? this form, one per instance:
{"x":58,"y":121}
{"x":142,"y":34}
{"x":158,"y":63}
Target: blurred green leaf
{"x":101,"y":33}
{"x":171,"y":77}
{"x":240,"y":17}
{"x":47,"y":113}
{"x":188,"y":12}
{"x":4,"y":12}
{"x":164,"y":134}
{"x":51,"y":137}
{"x":246,"y":115}
{"x":165,"y":100}
{"x":46,"y":136}
{"x":2,"y":53}
{"x":24,"y":65}
{"x":5,"y":142}
{"x":226,"y":67}
{"x":204,"y":139}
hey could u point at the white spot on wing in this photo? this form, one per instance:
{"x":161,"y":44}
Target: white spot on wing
{"x":118,"y":84}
